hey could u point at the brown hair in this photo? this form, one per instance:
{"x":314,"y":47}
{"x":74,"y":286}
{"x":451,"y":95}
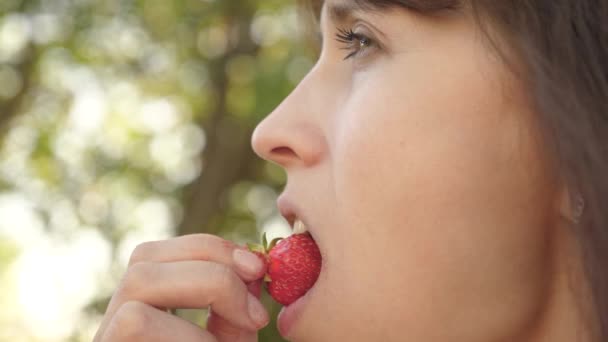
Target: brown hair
{"x":563,"y":47}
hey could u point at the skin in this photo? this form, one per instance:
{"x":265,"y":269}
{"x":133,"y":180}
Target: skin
{"x":419,"y":168}
{"x":429,"y":193}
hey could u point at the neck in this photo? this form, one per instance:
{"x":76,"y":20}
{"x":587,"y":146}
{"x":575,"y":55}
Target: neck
{"x":568,"y":314}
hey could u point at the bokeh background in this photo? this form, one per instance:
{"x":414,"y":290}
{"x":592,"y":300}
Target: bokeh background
{"x":123,"y":121}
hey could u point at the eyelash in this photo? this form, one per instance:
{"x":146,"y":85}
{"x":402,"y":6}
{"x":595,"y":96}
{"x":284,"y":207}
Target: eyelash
{"x":354,"y":42}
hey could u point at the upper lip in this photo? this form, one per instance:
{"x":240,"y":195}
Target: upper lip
{"x":289,"y":210}
{"x":292,"y":212}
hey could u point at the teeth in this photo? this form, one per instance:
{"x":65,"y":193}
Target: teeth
{"x":299,"y":227}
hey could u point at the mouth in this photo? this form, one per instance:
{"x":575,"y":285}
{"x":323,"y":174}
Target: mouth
{"x":293,"y":215}
{"x":290,"y":314}
{"x":298,"y":220}
{"x":299,"y":223}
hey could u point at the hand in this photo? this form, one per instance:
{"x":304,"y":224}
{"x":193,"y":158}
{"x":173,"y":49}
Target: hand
{"x":193,"y":271}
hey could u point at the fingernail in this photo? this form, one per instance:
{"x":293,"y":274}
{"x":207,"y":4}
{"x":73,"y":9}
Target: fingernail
{"x":247,"y":261}
{"x":257,"y":312}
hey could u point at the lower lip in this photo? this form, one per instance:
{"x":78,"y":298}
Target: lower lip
{"x":288,"y":316}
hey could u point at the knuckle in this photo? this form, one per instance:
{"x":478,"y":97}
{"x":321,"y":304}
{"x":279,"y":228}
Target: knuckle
{"x":201,"y":241}
{"x":141,"y":252}
{"x":131,"y":321}
{"x":221,"y":327}
{"x":204,"y":241}
{"x":224,"y":277}
{"x":137,"y":277}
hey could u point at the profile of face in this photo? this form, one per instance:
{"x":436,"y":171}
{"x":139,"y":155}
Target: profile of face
{"x":415,"y":157}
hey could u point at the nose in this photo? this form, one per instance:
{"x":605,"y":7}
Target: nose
{"x":291,"y":136}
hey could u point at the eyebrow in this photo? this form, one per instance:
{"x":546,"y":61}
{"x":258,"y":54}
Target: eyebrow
{"x":344,"y":10}
{"x":340,"y":12}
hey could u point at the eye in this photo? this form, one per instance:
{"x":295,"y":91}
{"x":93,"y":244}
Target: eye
{"x":354,"y":42}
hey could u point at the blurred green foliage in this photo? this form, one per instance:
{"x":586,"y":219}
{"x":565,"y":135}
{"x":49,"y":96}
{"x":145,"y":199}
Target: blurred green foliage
{"x":123,"y":121}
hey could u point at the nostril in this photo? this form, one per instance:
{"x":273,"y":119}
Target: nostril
{"x":282,"y":151}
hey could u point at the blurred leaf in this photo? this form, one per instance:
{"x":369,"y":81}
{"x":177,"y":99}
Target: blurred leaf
{"x":8,"y":252}
{"x":83,"y":151}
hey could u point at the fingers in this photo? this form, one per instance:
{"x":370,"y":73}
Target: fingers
{"x":191,"y":285}
{"x":136,"y":321}
{"x":201,"y":247}
{"x":255,"y":287}
{"x":193,"y":271}
{"x":225,"y":331}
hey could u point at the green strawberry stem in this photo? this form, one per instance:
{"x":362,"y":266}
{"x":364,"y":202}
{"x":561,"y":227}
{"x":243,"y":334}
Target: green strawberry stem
{"x":273,"y":243}
{"x":264,"y":249}
{"x":254,"y":247}
{"x":264,"y":241}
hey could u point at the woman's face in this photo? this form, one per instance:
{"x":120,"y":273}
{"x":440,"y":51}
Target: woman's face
{"x":417,"y":164}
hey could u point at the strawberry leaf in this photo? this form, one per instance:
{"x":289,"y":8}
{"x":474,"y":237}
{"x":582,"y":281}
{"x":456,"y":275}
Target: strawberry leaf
{"x":274,"y":242}
{"x":254,"y":247}
{"x":264,"y":241}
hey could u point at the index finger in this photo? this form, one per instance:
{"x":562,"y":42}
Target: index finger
{"x":205,"y":247}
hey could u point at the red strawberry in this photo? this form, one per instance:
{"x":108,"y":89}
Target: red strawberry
{"x":294,"y":264}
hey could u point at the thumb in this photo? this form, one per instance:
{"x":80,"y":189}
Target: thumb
{"x":225,"y":331}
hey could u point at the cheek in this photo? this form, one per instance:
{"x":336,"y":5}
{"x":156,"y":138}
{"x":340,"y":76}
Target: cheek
{"x":445,"y":200}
